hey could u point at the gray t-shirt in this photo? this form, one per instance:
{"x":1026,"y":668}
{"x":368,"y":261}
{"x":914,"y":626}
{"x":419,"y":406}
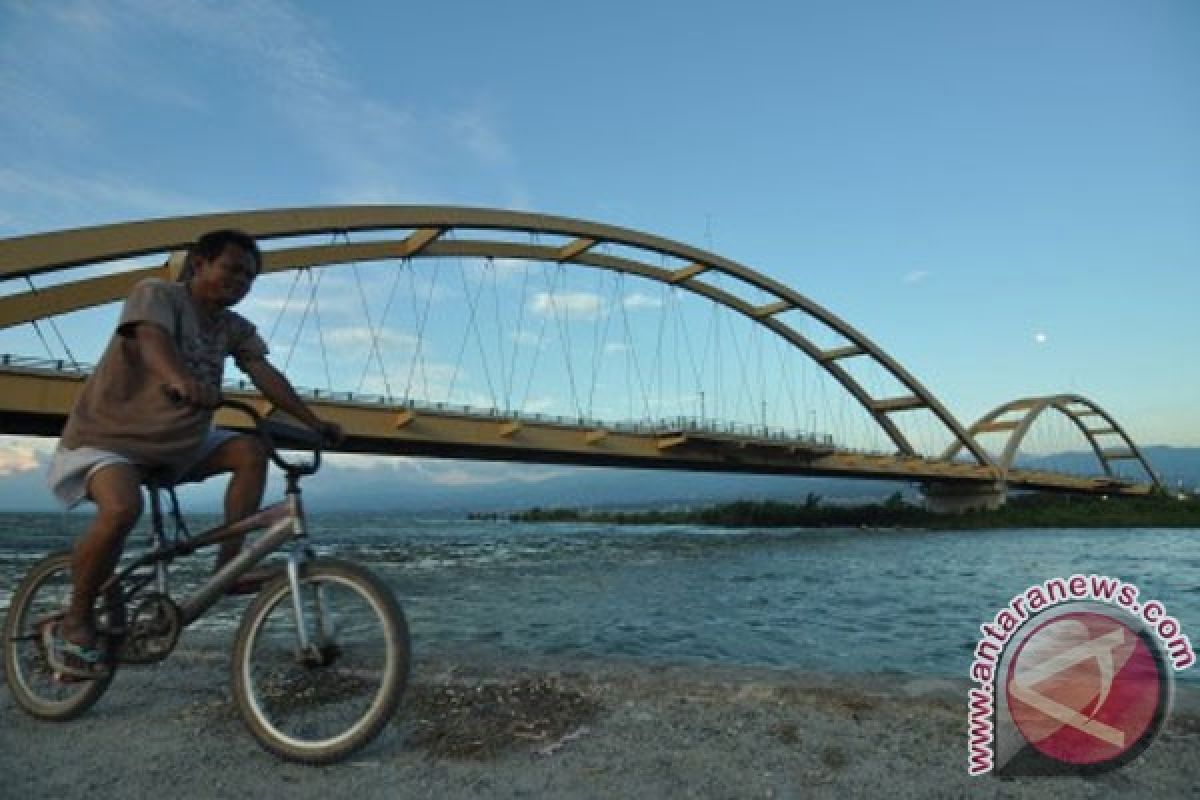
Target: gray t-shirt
{"x":123,"y":407}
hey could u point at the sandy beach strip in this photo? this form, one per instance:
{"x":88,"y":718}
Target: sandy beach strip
{"x":476,"y":725}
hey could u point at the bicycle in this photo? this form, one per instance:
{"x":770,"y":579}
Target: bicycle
{"x":320,"y":658}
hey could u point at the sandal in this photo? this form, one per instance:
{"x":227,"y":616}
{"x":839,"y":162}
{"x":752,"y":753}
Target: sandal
{"x":254,"y":580}
{"x":71,"y":660}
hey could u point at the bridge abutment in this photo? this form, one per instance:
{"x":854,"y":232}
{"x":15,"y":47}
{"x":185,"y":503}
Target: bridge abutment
{"x":955,"y":498}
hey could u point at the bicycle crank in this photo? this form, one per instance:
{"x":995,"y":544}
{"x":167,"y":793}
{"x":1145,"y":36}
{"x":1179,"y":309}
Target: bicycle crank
{"x":153,"y":631}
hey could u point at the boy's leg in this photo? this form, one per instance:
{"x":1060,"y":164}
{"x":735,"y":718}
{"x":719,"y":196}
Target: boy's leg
{"x":246,"y":458}
{"x":116,"y":491}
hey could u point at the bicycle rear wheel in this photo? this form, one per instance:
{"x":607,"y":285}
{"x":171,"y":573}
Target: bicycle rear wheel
{"x":42,"y":598}
{"x":319,"y":706}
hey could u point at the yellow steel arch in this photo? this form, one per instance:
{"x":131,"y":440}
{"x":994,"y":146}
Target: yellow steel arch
{"x":425,"y":227}
{"x":1080,"y":410}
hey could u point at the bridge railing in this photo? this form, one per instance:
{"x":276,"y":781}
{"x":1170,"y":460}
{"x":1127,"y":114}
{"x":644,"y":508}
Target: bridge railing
{"x":673,"y":425}
{"x":7,"y":360}
{"x":647,"y":427}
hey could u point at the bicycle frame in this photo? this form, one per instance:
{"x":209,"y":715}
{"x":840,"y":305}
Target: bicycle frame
{"x":282,"y":521}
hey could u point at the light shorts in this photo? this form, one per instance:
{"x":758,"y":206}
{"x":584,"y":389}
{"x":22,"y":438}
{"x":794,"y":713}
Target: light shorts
{"x":70,"y":470}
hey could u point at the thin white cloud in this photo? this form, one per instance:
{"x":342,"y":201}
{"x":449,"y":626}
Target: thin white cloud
{"x":362,"y":337}
{"x":480,"y":138}
{"x":17,"y":457}
{"x":426,"y":381}
{"x":42,"y":193}
{"x":366,"y":148}
{"x":542,"y":404}
{"x":916,"y":276}
{"x":437,"y":472}
{"x":82,"y":15}
{"x":489,"y":474}
{"x":377,"y":151}
{"x":489,"y":271}
{"x":524,"y":338}
{"x":461,"y":477}
{"x":638,"y":300}
{"x":508,"y":268}
{"x":50,"y":53}
{"x":363,"y":463}
{"x":568,"y":305}
{"x":34,"y":113}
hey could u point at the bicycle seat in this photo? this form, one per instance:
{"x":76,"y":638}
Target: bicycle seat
{"x":158,"y":478}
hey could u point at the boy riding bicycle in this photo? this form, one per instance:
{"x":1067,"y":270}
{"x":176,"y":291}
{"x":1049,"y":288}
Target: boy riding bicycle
{"x":170,"y":345}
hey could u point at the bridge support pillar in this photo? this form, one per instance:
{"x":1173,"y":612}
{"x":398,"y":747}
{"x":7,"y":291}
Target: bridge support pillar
{"x":955,"y":498}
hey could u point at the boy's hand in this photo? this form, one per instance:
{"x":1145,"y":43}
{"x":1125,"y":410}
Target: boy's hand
{"x":186,"y":391}
{"x":331,"y":433}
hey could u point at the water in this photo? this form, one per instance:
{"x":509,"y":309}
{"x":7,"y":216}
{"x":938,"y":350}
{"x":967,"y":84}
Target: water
{"x":828,"y":600}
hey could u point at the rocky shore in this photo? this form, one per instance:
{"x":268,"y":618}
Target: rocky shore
{"x":473,"y":725}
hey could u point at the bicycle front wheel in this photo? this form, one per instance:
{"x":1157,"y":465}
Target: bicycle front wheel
{"x":317,"y":705}
{"x":41,"y":599}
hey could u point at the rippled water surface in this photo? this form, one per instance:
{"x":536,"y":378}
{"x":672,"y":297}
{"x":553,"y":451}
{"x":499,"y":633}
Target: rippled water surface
{"x":839,"y":600}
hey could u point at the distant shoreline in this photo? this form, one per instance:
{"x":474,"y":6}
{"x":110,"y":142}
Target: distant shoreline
{"x":1034,"y":511}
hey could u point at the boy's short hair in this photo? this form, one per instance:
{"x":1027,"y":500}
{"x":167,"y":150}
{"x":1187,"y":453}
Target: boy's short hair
{"x":213,"y":243}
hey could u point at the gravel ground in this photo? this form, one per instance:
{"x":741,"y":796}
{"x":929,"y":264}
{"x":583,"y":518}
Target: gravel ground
{"x":473,"y":726}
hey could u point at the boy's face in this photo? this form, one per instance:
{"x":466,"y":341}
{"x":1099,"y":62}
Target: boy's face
{"x":224,"y":280}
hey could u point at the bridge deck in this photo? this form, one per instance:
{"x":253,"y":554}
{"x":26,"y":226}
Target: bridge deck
{"x":35,"y":400}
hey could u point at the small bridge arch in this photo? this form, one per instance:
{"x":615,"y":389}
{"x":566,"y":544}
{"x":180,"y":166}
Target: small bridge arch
{"x":1017,"y":417}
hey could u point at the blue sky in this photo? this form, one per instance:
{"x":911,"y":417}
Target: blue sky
{"x":1005,"y":196}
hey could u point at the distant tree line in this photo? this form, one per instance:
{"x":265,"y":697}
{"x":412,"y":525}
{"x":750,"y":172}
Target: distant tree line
{"x":1021,"y":511}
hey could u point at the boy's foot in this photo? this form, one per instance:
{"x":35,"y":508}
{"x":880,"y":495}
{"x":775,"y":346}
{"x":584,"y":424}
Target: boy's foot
{"x":71,"y":659}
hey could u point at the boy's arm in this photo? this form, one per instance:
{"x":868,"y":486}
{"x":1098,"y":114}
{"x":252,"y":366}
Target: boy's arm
{"x":159,"y":353}
{"x":278,"y":389}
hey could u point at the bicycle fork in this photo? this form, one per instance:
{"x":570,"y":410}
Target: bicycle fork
{"x":309,"y":650}
{"x":304,"y":647}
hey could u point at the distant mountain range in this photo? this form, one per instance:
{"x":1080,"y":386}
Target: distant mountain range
{"x":428,"y":486}
{"x":1176,"y":466}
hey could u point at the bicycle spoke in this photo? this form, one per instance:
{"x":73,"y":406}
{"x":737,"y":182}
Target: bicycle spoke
{"x":41,"y":600}
{"x":328,"y":694}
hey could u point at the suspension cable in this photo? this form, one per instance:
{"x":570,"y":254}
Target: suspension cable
{"x":742,"y":366}
{"x":387,"y":307}
{"x":537,"y":354}
{"x":472,"y":327}
{"x":786,"y":376}
{"x":490,"y":267}
{"x":564,"y":338}
{"x":473,"y":324}
{"x":629,"y":348}
{"x":54,"y":327}
{"x":375,"y":348}
{"x":657,"y":372}
{"x":714,"y":322}
{"x":599,"y":341}
{"x":303,"y":316}
{"x":697,"y":371}
{"x":321,"y":342}
{"x":522,"y":299}
{"x":282,"y":309}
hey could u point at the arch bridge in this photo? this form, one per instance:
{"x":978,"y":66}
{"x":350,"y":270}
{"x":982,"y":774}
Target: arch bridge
{"x":36,"y":395}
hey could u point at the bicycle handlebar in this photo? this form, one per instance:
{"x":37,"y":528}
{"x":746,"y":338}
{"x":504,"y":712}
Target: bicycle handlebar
{"x":309,"y":440}
{"x":305,"y":438}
